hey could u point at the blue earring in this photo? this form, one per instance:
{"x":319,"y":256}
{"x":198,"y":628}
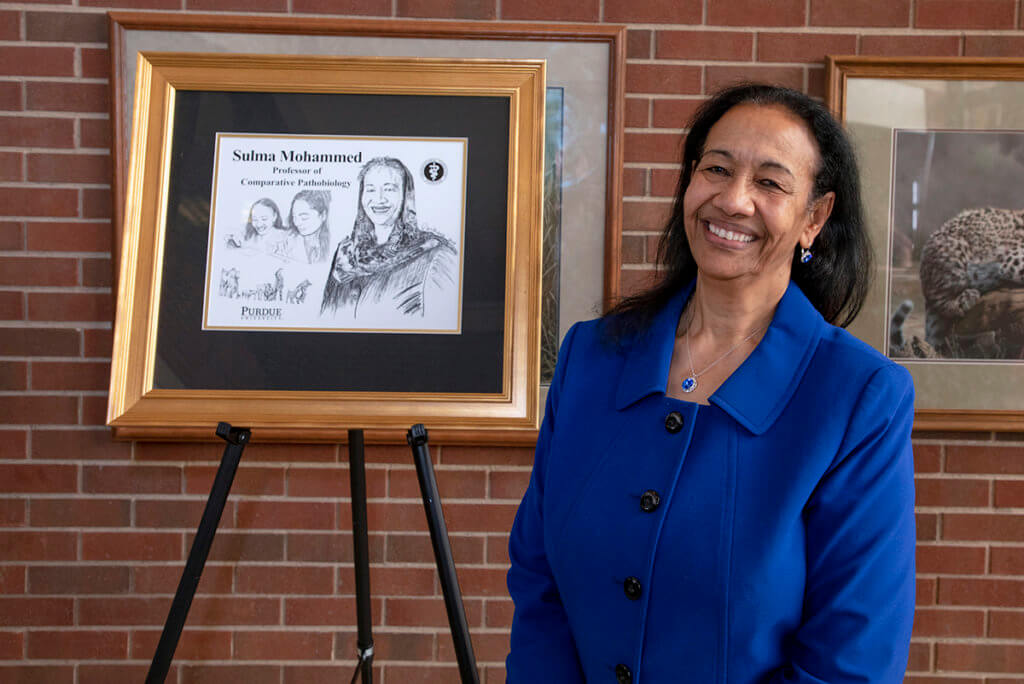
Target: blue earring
{"x":805,"y":255}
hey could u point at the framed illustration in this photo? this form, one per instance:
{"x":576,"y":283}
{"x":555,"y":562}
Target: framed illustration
{"x":941,"y":147}
{"x":582,"y":146}
{"x":316,"y":243}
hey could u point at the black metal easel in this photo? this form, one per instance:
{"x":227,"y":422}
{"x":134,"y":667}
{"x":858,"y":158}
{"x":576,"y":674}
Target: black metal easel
{"x":361,"y":557}
{"x":236,"y":439}
{"x":417,"y":438}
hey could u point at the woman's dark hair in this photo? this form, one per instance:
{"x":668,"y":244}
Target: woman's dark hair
{"x":836,"y":280}
{"x":320,"y":202}
{"x":250,"y":230}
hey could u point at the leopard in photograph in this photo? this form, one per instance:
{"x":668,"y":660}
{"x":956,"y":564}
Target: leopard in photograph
{"x":900,"y":346}
{"x":976,"y":251}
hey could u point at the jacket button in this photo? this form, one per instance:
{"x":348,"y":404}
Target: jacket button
{"x":674,"y":422}
{"x":649,"y":501}
{"x":622,"y":674}
{"x":632,"y":588}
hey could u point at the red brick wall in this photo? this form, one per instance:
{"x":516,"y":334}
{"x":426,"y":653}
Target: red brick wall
{"x":93,"y":533}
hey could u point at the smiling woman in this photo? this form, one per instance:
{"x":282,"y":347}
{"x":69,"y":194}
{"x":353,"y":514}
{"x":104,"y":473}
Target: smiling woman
{"x":308,"y":227}
{"x":696,"y":510}
{"x":750,"y":199}
{"x":389,"y":260}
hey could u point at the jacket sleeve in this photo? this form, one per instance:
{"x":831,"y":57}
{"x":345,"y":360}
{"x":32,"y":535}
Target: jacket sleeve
{"x":859,"y":598}
{"x":542,"y":645}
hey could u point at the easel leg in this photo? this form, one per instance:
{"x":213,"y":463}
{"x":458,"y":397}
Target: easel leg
{"x":236,"y":438}
{"x":417,"y":438}
{"x":361,"y":554}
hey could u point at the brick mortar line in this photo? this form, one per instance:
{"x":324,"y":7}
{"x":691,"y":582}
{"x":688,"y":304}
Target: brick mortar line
{"x":971,"y":544}
{"x":273,"y":596}
{"x":957,"y":675}
{"x":964,"y":476}
{"x":800,"y":28}
{"x":54,"y":185}
{"x":50,"y":78}
{"x":500,"y":534}
{"x":719,"y":62}
{"x":60,"y":152}
{"x":951,"y":608}
{"x":162,"y":597}
{"x":41,"y":114}
{"x":78,"y":565}
{"x":453,"y":467}
{"x":991,"y":543}
{"x":175,"y":528}
{"x":67,"y":151}
{"x":53,"y":359}
{"x":860,"y":31}
{"x":1015,"y":578}
{"x":345,"y":661}
{"x":37,"y":254}
{"x":67,"y":219}
{"x":47,"y":289}
{"x":62,"y":359}
{"x":76,"y":428}
{"x":931,"y":475}
{"x":974,"y":640}
{"x":54,"y":393}
{"x":344,"y":629}
{"x":177,"y":563}
{"x":74,"y":45}
{"x":939,"y":441}
{"x":250,"y":661}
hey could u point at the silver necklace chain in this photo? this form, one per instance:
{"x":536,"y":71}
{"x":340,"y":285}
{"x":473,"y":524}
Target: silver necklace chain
{"x":690,"y":383}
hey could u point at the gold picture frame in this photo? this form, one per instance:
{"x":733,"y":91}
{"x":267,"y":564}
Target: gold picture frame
{"x":171,"y":379}
{"x":912,"y":120}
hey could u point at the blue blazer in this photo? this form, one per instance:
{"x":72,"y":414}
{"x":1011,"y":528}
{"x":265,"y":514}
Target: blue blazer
{"x":767,"y":537}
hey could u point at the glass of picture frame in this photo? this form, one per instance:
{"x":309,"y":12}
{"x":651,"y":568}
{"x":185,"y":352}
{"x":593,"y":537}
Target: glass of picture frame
{"x":941,"y":147}
{"x":583,"y":108}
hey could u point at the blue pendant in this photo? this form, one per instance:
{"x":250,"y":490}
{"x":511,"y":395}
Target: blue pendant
{"x":689,"y":384}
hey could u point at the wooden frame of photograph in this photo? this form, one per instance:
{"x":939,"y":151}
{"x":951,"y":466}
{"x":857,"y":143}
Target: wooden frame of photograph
{"x":175,"y":375}
{"x":585,"y":66}
{"x":938,"y":140}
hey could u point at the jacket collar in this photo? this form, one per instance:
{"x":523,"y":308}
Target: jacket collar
{"x":758,"y":391}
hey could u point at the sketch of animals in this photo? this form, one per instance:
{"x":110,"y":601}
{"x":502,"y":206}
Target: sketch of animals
{"x":229,"y":282}
{"x":298,"y":295}
{"x":275,"y":292}
{"x":975,"y":252}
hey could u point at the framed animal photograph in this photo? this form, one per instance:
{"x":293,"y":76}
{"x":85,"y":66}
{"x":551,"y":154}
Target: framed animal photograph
{"x":316,"y":243}
{"x":582,"y":185}
{"x":941,"y":147}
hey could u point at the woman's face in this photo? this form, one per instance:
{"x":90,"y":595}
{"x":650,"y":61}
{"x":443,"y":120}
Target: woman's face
{"x":749,"y":199}
{"x":262,"y":218}
{"x":306,"y":219}
{"x":382,"y":195}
